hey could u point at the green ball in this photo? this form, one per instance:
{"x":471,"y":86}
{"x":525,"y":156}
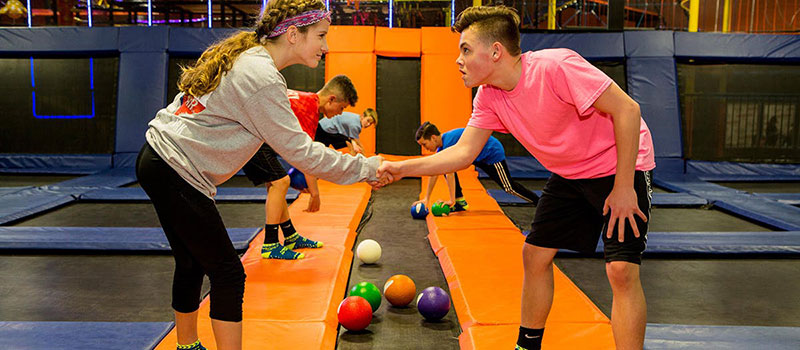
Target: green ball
{"x":439,"y":209}
{"x":367,"y":291}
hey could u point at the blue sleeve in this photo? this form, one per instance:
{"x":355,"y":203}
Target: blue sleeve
{"x":451,"y":138}
{"x":351,"y":125}
{"x":492,"y":152}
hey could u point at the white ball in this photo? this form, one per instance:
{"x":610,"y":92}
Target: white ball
{"x":368,"y":251}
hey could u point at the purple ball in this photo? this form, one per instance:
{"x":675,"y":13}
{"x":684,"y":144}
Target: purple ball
{"x":433,"y":303}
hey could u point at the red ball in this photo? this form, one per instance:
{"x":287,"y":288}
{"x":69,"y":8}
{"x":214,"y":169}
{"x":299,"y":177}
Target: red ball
{"x":355,"y":313}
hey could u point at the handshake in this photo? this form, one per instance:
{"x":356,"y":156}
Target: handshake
{"x":387,"y":173}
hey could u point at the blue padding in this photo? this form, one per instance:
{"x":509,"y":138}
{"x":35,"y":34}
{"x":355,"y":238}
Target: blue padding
{"x":729,"y":171}
{"x":82,"y":335}
{"x":125,"y":159}
{"x":17,"y":205}
{"x":503,"y":197}
{"x":8,"y":190}
{"x":54,"y":163}
{"x":766,"y":211}
{"x":223,"y":194}
{"x":108,"y":178}
{"x":649,"y":44}
{"x":193,"y":41}
{"x":522,"y":167}
{"x":738,"y":46}
{"x":143,"y":39}
{"x":142,"y":92}
{"x":659,"y":199}
{"x":592,"y":46}
{"x":785,"y":198}
{"x":51,"y":40}
{"x":673,"y":165}
{"x":653,"y":84}
{"x":102,"y":238}
{"x":686,"y":337}
{"x":688,"y":183}
{"x":778,"y":242}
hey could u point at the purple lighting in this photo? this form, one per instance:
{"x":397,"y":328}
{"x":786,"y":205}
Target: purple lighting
{"x":161,"y":21}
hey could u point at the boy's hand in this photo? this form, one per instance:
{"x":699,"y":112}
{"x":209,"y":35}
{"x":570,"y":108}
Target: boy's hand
{"x":388,"y":172}
{"x":423,"y":201}
{"x":357,"y":149}
{"x":313,"y":204}
{"x":623,"y":204}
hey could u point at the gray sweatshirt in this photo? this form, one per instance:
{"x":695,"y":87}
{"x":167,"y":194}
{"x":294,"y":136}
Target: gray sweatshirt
{"x":249,"y":107}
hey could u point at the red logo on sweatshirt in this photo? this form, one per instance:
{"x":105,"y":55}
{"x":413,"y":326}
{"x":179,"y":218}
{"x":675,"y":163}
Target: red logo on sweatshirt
{"x":190,"y":105}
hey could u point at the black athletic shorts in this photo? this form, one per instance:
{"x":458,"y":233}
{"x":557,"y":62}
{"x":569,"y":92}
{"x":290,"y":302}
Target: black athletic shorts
{"x":570,"y":216}
{"x":264,"y":167}
{"x":336,"y":140}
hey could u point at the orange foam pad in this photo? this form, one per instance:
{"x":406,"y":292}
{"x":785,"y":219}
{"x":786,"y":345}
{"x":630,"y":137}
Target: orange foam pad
{"x":350,"y":39}
{"x":476,"y":274}
{"x":360,"y":68}
{"x":444,"y":100}
{"x":312,"y":286}
{"x":564,"y":335}
{"x":439,"y":40}
{"x":398,"y":42}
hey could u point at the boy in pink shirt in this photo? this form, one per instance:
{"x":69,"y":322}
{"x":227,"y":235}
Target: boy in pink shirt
{"x":582,"y":127}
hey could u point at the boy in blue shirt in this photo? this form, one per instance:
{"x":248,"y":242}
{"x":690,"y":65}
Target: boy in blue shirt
{"x":492,"y":160}
{"x":344,"y":129}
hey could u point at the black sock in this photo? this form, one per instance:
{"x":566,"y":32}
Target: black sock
{"x":270,"y":234}
{"x":530,"y":339}
{"x":287,"y":228}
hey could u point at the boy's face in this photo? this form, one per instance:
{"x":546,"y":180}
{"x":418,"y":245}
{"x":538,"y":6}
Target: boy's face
{"x":475,"y":59}
{"x":367,"y":122}
{"x":333,"y":107}
{"x":430,"y":144}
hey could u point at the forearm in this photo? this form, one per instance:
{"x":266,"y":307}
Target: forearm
{"x":313,"y":186}
{"x":431,"y":184}
{"x":626,"y":134}
{"x":451,"y":186}
{"x":446,"y":161}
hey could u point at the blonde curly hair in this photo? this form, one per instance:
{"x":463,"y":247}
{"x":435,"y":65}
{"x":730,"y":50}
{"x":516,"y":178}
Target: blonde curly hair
{"x":204,"y":76}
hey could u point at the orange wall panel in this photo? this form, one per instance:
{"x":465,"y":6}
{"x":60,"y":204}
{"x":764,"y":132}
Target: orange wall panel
{"x":351,"y":39}
{"x":398,"y":42}
{"x":360,"y":68}
{"x":439,"y":40}
{"x":444,"y":100}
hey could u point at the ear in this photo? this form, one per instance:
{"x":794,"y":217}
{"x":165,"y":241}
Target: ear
{"x":497,"y":51}
{"x":292,"y":34}
{"x":331,"y":98}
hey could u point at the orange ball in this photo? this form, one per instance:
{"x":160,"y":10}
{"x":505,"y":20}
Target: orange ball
{"x":399,"y":290}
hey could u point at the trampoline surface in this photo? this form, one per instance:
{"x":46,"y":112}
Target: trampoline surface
{"x":19,"y":180}
{"x":405,"y":250}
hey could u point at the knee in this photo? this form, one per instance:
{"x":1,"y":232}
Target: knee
{"x":281,"y":184}
{"x":622,"y":275}
{"x":537,"y":260}
{"x":228,"y":276}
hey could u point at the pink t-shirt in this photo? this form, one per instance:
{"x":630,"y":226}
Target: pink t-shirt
{"x":550,"y":112}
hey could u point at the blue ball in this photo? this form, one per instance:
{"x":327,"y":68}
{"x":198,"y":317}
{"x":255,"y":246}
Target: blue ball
{"x":297,"y":179}
{"x":419,"y":211}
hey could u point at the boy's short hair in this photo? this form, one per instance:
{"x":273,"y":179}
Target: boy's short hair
{"x":493,"y":24}
{"x":371,"y":113}
{"x":425,"y":131}
{"x":341,"y":87}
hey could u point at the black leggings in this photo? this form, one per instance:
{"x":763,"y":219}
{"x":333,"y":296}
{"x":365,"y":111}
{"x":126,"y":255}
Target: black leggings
{"x":197,"y":236}
{"x":500,"y":174}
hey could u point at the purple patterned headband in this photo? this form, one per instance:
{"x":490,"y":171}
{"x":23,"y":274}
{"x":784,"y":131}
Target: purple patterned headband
{"x":304,"y":19}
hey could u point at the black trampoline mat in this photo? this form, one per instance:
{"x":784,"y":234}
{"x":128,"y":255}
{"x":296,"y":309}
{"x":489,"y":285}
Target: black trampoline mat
{"x":127,"y":214}
{"x":764,"y":187}
{"x":738,"y":292}
{"x":20,"y":180}
{"x":115,"y":288}
{"x":405,"y":250}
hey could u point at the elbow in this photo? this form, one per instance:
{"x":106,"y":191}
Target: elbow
{"x":634,"y":109}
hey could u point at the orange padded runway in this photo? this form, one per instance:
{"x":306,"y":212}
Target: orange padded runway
{"x":486,"y":284}
{"x":292,"y":304}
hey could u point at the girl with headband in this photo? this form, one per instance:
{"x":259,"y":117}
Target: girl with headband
{"x":231,"y":102}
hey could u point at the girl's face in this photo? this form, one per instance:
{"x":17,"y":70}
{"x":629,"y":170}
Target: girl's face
{"x":313,"y":44}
